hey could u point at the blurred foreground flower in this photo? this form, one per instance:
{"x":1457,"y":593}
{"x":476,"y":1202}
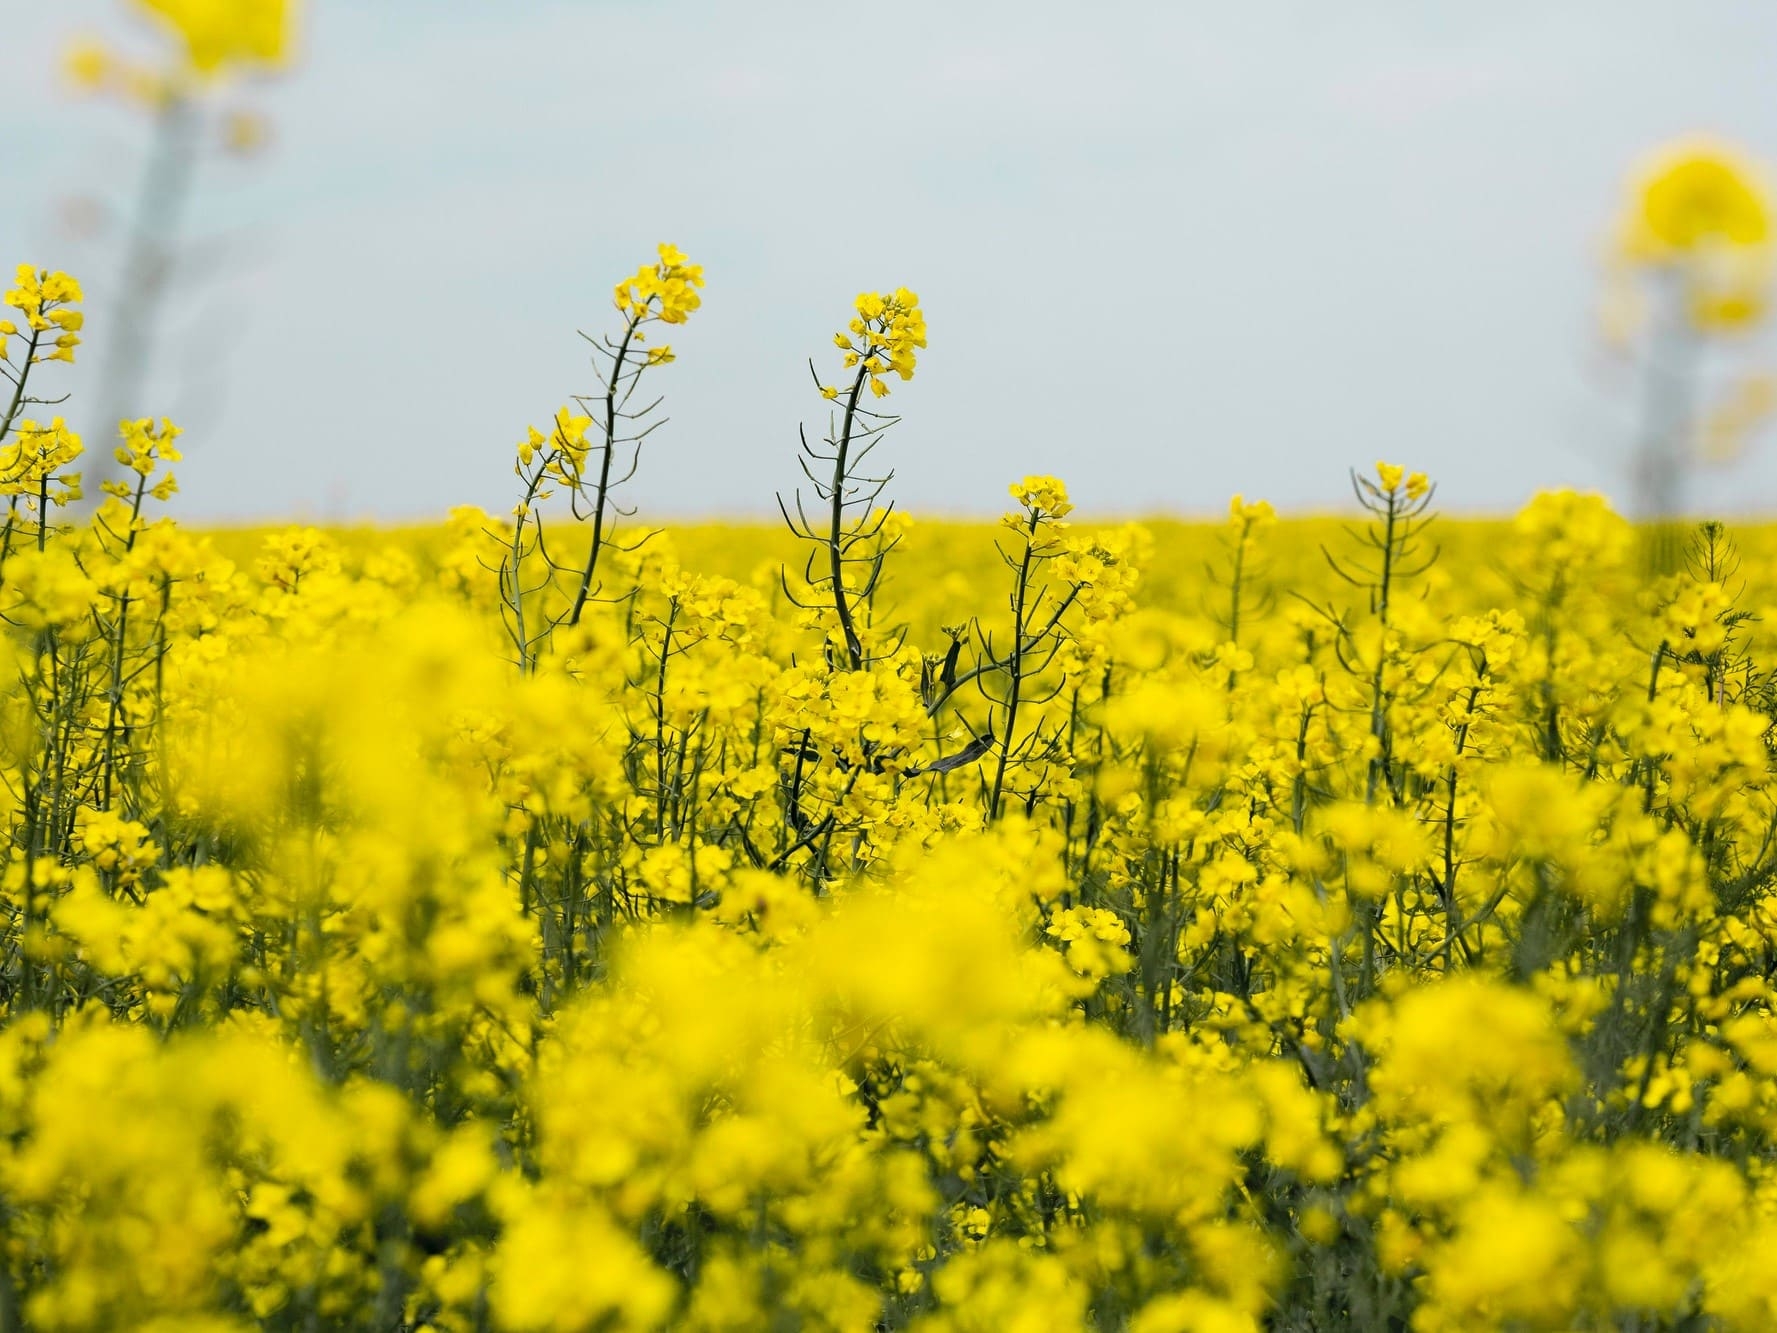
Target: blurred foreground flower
{"x":212,"y":39}
{"x":221,"y":33}
{"x":211,"y":44}
{"x":1691,"y":261}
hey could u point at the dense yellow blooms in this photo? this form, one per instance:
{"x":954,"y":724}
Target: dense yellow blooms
{"x":395,"y":936}
{"x":1045,"y":494}
{"x":667,"y":291}
{"x":52,"y":326}
{"x":884,"y":337}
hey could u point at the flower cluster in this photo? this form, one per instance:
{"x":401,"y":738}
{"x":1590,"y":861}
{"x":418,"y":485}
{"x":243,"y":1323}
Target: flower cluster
{"x":1702,"y":210}
{"x":1043,"y":495}
{"x":667,"y":291}
{"x":220,"y":33}
{"x":46,"y":300}
{"x":884,"y":336}
{"x":211,"y":39}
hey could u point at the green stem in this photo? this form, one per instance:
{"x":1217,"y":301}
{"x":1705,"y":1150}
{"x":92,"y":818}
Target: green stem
{"x":598,"y":510}
{"x":854,"y":649}
{"x":1015,"y":667}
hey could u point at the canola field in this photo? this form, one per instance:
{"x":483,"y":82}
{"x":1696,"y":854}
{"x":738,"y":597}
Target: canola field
{"x":870,"y":924}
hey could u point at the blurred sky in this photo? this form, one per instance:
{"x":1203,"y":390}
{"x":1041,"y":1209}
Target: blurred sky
{"x":1167,"y":251}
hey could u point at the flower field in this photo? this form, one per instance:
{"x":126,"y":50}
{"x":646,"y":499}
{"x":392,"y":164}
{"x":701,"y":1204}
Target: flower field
{"x":866,"y":923}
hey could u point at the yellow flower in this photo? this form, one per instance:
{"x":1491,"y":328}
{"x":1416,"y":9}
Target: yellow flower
{"x":885,"y":337}
{"x":1703,"y":208}
{"x":666,"y":290}
{"x":1047,"y":495}
{"x":1258,"y":513}
{"x":221,"y":33}
{"x":1695,"y":193}
{"x":87,"y":65}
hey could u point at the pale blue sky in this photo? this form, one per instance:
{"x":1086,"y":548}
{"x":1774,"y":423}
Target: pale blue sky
{"x":1166,"y":251}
